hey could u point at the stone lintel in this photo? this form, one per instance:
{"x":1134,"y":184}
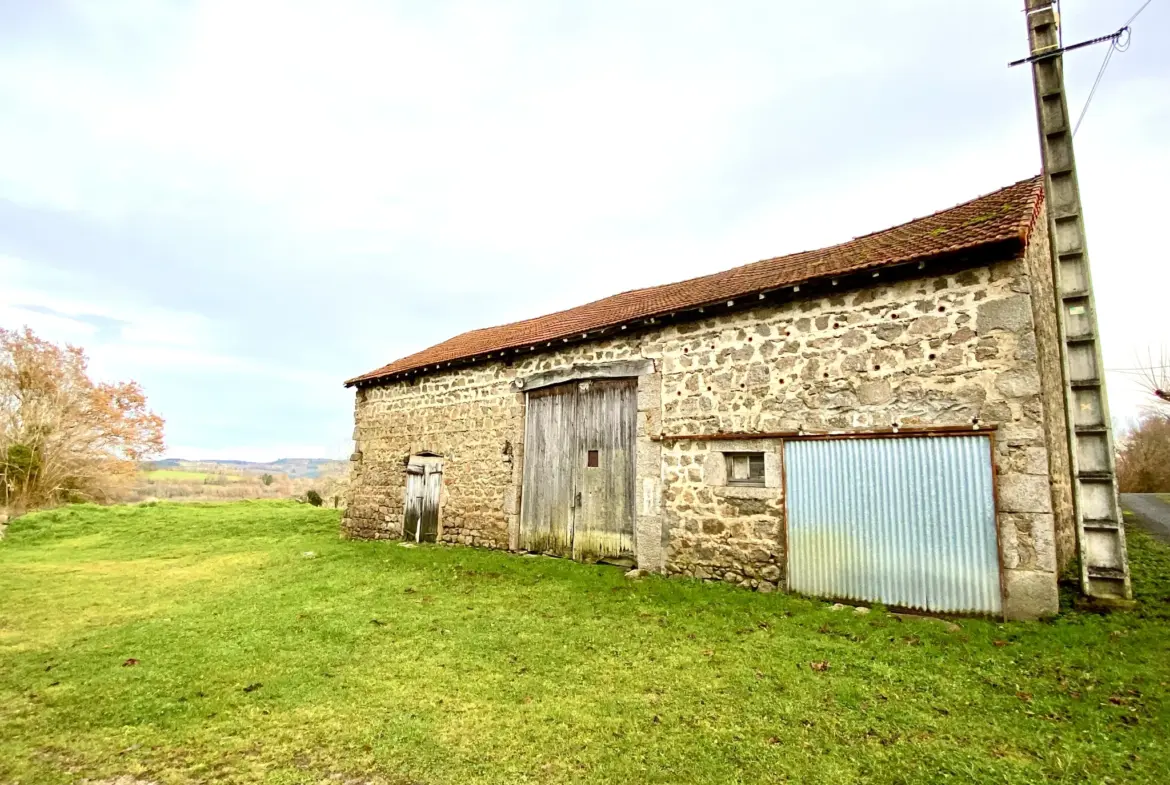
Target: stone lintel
{"x":611,"y":370}
{"x":746,"y":492}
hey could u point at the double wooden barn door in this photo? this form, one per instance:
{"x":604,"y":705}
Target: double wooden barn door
{"x":579,"y":461}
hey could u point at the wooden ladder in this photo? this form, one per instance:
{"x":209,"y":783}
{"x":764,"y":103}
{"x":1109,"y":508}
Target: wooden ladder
{"x":1100,"y":533}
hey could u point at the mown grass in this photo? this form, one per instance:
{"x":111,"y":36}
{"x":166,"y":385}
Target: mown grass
{"x":197,"y":643}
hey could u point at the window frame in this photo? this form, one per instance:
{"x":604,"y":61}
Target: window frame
{"x":751,"y":481}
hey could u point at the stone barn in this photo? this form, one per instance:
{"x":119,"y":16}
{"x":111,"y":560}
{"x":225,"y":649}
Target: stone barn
{"x":881,"y":420}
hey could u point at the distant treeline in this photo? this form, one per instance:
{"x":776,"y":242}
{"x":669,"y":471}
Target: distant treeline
{"x":293,"y":467}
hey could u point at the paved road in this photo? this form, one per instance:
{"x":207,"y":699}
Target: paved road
{"x":1150,"y":512}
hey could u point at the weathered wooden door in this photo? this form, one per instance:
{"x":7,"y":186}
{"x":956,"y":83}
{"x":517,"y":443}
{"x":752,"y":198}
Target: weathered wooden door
{"x":579,"y":460}
{"x":421,"y":519}
{"x":603,"y":524}
{"x":548,"y":493}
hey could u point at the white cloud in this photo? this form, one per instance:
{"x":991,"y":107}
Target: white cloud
{"x":295,"y":192}
{"x":77,"y":301}
{"x":61,"y":328}
{"x":145,"y":339}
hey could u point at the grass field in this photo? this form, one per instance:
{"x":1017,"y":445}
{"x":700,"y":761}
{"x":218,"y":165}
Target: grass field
{"x":198,"y":643}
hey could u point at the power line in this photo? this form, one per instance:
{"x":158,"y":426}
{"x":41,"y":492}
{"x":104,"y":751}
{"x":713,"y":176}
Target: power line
{"x":1119,"y":43}
{"x":1137,"y":370}
{"x":1063,"y":49}
{"x":1135,"y":16}
{"x":1096,"y":84}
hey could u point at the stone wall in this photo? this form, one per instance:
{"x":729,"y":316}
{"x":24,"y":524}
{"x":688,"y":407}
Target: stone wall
{"x":720,"y":531}
{"x":1039,"y":265}
{"x":957,"y":349}
{"x":473,"y":419}
{"x":947,"y":349}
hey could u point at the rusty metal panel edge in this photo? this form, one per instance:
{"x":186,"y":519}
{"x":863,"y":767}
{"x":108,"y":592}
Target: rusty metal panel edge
{"x":907,"y":522}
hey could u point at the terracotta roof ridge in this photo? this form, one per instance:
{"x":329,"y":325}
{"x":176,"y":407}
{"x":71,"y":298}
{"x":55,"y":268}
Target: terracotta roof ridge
{"x":1039,"y":195}
{"x":595,"y":302}
{"x":1039,"y":181}
{"x":1038,"y":178}
{"x":967,"y":226}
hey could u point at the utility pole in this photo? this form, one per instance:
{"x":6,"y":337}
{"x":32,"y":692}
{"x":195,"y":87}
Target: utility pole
{"x":1100,"y":533}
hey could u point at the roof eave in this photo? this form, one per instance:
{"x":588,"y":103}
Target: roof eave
{"x":1016,"y":242}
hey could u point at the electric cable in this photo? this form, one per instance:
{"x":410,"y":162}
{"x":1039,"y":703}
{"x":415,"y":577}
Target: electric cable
{"x":1119,"y":44}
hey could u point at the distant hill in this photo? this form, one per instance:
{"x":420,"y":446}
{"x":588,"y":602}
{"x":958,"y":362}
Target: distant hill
{"x":292,"y":467}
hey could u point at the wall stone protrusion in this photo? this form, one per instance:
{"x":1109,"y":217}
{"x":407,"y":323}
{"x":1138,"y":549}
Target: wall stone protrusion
{"x":874,"y":392}
{"x":1024,"y":493}
{"x":1011,"y":314}
{"x":1018,"y":383}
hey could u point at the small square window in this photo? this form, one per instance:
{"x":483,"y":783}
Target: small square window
{"x":745,"y":468}
{"x":591,"y":459}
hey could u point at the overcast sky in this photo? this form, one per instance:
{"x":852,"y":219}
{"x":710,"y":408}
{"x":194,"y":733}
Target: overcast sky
{"x":241,"y":204}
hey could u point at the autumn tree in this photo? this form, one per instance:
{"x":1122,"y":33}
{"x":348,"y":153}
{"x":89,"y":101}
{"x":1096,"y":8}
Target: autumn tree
{"x":1143,"y":455}
{"x":63,"y":436}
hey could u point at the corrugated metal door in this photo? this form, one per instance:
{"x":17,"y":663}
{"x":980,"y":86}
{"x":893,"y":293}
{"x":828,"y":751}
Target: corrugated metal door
{"x":421,"y":518}
{"x":578,"y":494}
{"x":904,"y":521}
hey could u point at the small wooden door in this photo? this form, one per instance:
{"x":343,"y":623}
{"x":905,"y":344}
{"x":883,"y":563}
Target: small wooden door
{"x":578,"y":494}
{"x":421,"y":520}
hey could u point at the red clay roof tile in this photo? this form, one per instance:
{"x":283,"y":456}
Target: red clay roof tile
{"x":1006,"y":214}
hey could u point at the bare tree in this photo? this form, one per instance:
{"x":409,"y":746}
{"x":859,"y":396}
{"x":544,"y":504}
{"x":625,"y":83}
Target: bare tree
{"x":64,"y":437}
{"x":1143,"y":451}
{"x":1153,"y":376}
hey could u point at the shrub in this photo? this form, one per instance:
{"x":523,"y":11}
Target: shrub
{"x":18,"y":470}
{"x":313,"y":498}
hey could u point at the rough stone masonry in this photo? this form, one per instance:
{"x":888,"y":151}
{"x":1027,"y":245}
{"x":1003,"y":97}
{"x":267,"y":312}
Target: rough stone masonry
{"x":958,"y":340}
{"x":968,"y":347}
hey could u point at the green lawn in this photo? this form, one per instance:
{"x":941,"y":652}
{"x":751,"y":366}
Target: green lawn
{"x":197,"y":643}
